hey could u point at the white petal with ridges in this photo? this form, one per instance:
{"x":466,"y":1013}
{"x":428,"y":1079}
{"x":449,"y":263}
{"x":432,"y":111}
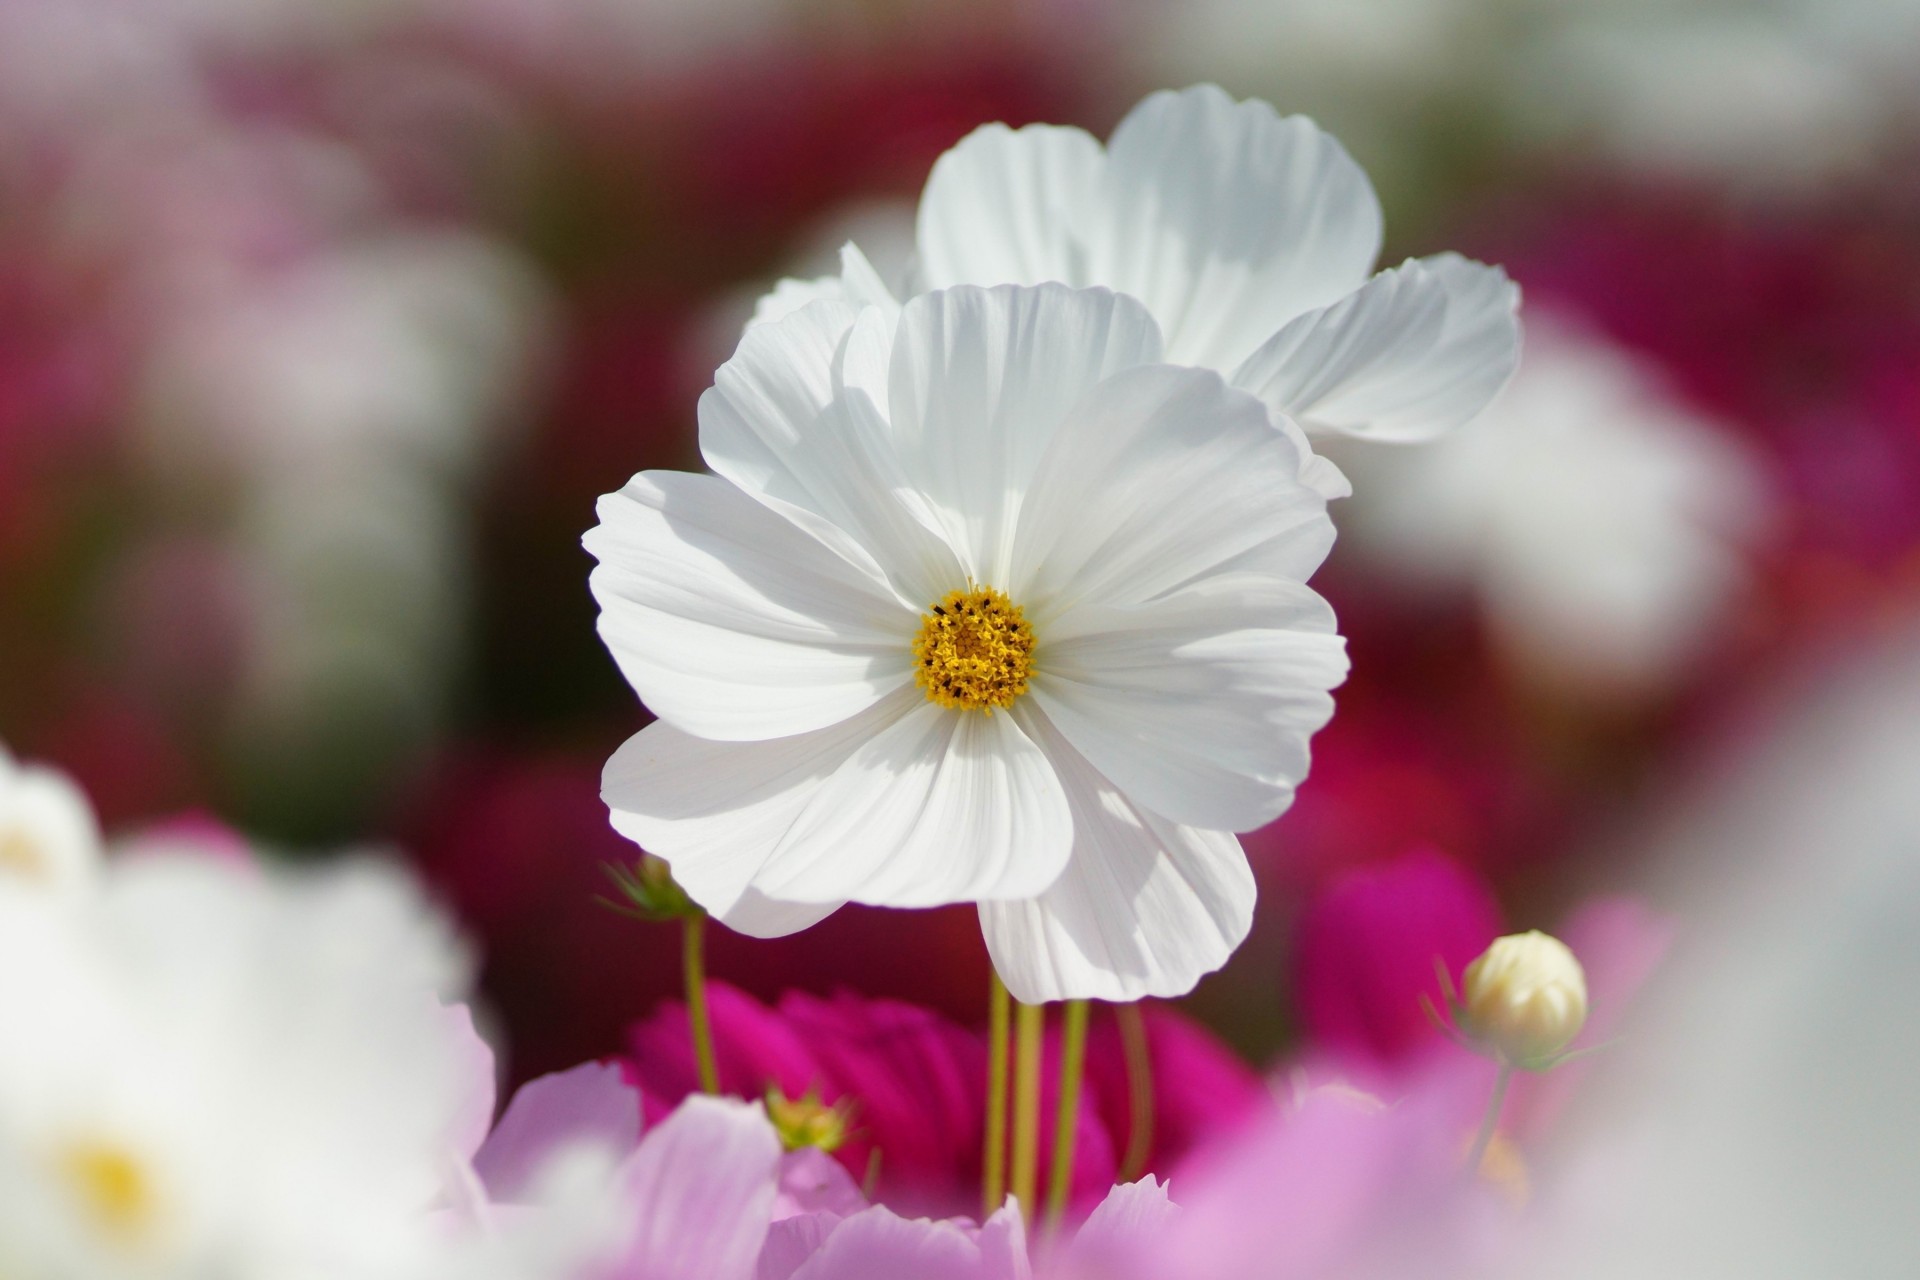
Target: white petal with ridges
{"x":774,"y":423}
{"x":940,"y":806}
{"x":978,"y":382}
{"x":730,"y":621}
{"x":1005,"y":206}
{"x":1197,"y":705}
{"x":1228,"y":220}
{"x":716,"y":810}
{"x":1415,"y":353}
{"x":1158,"y":478}
{"x":1144,"y":908}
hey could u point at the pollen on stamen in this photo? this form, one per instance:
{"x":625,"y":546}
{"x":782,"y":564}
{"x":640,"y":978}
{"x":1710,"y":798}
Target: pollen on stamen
{"x":974,"y":651}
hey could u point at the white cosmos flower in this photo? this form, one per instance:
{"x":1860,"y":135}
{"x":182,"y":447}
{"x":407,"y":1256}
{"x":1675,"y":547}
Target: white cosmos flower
{"x":213,"y":1070}
{"x":1251,"y":237}
{"x":49,"y":838}
{"x":1138,"y":677}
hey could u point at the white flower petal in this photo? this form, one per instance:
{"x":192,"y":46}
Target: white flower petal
{"x":1416,"y":352}
{"x":792,"y":294}
{"x":1003,"y":207}
{"x":858,"y":283}
{"x":702,"y":1187}
{"x":863,"y":282}
{"x":1158,"y":478}
{"x":1144,"y":908}
{"x":715,"y":810}
{"x":774,"y":423}
{"x":940,"y":806}
{"x":759,"y":916}
{"x":980,"y":379}
{"x":1198,"y":705}
{"x":1228,"y":220}
{"x":731,"y":621}
{"x":49,"y":837}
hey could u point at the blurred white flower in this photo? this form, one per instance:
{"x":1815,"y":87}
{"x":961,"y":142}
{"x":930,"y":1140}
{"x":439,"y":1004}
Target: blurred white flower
{"x":49,"y":838}
{"x":215,"y":1069}
{"x":1603,"y":524}
{"x":997,"y":502}
{"x":1252,"y":239}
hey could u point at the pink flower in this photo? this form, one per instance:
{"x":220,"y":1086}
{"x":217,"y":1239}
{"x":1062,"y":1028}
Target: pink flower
{"x":1339,"y":1185}
{"x":1368,"y":946}
{"x":706,"y":1194}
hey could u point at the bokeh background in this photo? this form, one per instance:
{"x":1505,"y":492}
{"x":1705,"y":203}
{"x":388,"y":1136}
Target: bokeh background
{"x":323,"y":325}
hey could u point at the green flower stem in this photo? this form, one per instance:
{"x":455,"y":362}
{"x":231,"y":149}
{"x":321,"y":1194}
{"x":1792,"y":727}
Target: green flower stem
{"x":1073,"y":1063}
{"x":1491,"y":1122}
{"x":1139,"y":1059}
{"x":1029,"y":1024}
{"x":693,"y":967}
{"x":993,"y":1159}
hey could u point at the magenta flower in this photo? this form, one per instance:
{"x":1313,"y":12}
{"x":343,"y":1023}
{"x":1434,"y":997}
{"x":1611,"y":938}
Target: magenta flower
{"x":1201,"y":1089}
{"x":1369,"y":944}
{"x":917,"y":1083}
{"x":918,"y":1080}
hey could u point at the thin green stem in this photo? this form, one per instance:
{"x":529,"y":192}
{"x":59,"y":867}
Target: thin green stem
{"x":993,"y":1159}
{"x":1139,"y":1059}
{"x":1029,"y":1025}
{"x":1491,"y":1122}
{"x":693,"y":967}
{"x":1073,"y":1065}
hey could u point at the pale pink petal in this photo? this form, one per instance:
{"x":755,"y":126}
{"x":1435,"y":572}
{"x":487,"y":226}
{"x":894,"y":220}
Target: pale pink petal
{"x":589,"y":1103}
{"x":702,"y":1186}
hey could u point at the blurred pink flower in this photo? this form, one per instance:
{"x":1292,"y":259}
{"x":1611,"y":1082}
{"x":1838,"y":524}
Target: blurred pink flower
{"x":1368,"y":945}
{"x":706,"y":1193}
{"x":1338,"y":1185}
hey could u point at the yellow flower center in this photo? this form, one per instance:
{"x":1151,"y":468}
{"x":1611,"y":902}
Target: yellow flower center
{"x":20,"y":855}
{"x":807,"y":1121}
{"x":974,"y":651}
{"x":111,"y":1184}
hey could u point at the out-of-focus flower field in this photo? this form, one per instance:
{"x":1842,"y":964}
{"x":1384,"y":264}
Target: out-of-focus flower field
{"x":323,"y":327}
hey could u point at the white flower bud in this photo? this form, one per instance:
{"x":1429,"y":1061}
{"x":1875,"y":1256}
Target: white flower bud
{"x":1525,"y":998}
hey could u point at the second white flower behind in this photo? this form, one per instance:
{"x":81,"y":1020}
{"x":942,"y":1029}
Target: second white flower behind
{"x":984,"y":604}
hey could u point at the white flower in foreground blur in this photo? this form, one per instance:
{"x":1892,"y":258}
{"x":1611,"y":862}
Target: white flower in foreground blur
{"x":1252,"y":239}
{"x":1524,"y":999}
{"x":209,"y":1069}
{"x":984,"y":605}
{"x":49,"y":838}
{"x":1602,"y":524}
